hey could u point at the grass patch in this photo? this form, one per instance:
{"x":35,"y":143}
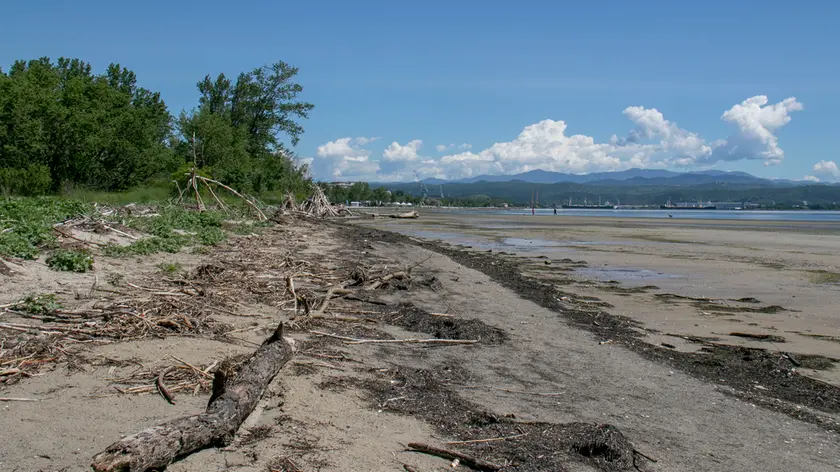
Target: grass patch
{"x":136,"y":195}
{"x":170,"y":268}
{"x":70,"y":260}
{"x":825,"y":277}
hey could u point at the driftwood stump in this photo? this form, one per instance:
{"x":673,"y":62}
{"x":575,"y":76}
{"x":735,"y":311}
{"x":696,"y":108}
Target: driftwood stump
{"x":232,"y":401}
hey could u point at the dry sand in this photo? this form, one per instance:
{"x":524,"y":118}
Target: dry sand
{"x":321,"y":414}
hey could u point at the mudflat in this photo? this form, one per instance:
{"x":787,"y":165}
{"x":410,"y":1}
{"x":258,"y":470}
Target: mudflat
{"x":776,"y":280}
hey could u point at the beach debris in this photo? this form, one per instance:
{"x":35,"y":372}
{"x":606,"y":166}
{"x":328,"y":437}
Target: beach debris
{"x":608,"y":341}
{"x":407,"y":215}
{"x":164,"y":392}
{"x":469,"y":461}
{"x":233,"y":399}
{"x":759,"y":337}
{"x":348,"y":340}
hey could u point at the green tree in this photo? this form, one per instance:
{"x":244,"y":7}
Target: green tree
{"x":102,"y":131}
{"x":237,"y":129}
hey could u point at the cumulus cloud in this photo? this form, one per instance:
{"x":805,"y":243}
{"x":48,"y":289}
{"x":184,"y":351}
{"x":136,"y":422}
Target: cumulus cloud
{"x":397,"y":152}
{"x":652,"y":142}
{"x":345,"y":158}
{"x":827,"y":169}
{"x":756,"y":122}
{"x":811,"y":178}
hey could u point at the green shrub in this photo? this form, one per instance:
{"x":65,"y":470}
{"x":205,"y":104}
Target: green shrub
{"x":38,"y":304}
{"x":26,"y":223}
{"x":169,"y":268}
{"x":30,"y":181}
{"x":69,"y":260}
{"x":211,"y":236}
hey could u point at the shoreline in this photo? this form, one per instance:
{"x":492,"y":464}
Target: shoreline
{"x":520,"y":363}
{"x":739,"y":368}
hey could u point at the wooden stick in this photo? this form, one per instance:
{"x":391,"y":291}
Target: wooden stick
{"x":221,"y":204}
{"x":13,"y":399}
{"x":469,"y":461}
{"x":477,"y":441}
{"x":395,"y":341}
{"x":122,"y":233}
{"x":196,"y":369}
{"x":414,"y":341}
{"x":70,"y":236}
{"x":232,"y":402}
{"x":290,"y":284}
{"x":249,"y":202}
{"x":524,"y":392}
{"x":164,"y":392}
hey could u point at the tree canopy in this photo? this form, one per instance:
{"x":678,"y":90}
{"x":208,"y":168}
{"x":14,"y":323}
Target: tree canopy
{"x":61,"y":125}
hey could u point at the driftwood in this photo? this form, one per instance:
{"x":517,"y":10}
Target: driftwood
{"x":408,"y":215}
{"x":232,"y":401}
{"x":469,"y":461}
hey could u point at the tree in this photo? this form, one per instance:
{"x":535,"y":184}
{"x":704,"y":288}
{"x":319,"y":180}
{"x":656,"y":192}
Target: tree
{"x":101,"y":131}
{"x":238,"y":128}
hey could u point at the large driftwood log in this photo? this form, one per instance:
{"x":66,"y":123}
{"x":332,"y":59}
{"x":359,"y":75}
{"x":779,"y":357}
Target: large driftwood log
{"x":232,"y":401}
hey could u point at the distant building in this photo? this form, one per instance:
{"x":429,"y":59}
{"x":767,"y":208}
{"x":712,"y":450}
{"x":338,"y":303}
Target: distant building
{"x":342,"y":184}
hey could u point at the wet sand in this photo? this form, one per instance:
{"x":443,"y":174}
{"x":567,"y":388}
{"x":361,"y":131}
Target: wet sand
{"x":689,"y":278}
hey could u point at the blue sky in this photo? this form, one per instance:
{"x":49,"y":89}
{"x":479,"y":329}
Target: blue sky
{"x":499,"y":77}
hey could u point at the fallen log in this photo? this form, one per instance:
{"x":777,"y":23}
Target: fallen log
{"x":407,"y":215}
{"x":233,"y":399}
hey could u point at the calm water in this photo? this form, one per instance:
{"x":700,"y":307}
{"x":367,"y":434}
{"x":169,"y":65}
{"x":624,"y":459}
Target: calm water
{"x":684,"y":214}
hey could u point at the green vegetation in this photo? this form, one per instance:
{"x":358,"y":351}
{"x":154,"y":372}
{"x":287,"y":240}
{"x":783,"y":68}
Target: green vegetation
{"x":40,"y":304}
{"x":65,"y":129}
{"x":170,"y":268}
{"x":26,"y":223}
{"x":69,"y":260}
{"x":171,"y":229}
{"x":825,"y":277}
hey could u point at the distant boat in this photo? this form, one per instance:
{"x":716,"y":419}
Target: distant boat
{"x":588,"y":206}
{"x":688,"y":206}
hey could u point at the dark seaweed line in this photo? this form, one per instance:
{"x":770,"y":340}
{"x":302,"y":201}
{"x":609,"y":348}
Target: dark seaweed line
{"x":742,"y":368}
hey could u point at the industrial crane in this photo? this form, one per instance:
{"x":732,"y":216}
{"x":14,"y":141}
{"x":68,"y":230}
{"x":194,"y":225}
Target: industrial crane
{"x":424,"y":192}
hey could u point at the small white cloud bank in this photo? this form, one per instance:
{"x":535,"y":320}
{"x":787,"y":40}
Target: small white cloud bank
{"x":826,"y":170}
{"x":652,"y":142}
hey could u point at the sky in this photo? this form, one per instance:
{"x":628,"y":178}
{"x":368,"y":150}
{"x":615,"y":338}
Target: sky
{"x":462,"y":88}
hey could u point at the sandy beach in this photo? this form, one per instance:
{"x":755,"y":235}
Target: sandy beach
{"x":547,"y":352}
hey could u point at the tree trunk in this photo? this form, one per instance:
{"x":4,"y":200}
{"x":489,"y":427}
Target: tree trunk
{"x":232,"y":401}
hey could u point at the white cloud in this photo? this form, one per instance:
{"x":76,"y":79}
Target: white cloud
{"x":827,"y":169}
{"x":756,"y":122}
{"x":397,"y":152}
{"x":447,"y":147}
{"x":345,"y":158}
{"x":811,"y":178}
{"x":653,"y":142}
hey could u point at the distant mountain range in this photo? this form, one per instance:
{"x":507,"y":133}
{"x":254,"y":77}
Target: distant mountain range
{"x":621,"y":178}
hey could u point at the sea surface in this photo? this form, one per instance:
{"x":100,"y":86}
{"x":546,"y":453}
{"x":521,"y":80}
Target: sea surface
{"x":747,"y":215}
